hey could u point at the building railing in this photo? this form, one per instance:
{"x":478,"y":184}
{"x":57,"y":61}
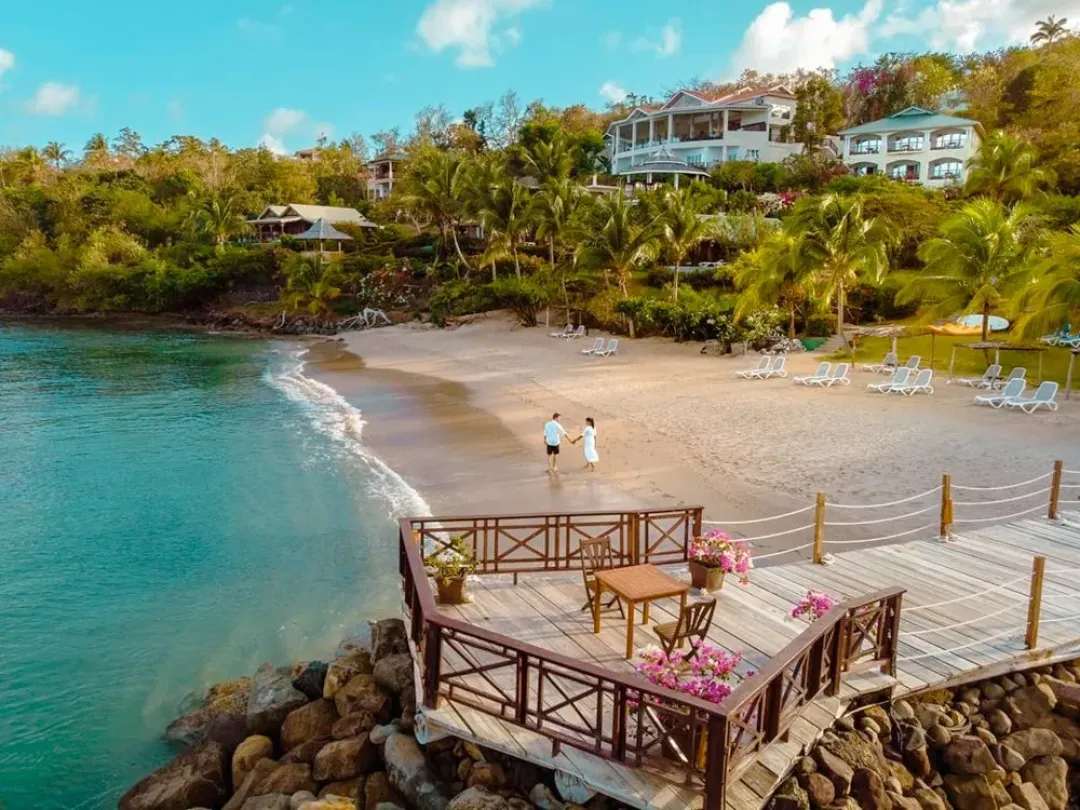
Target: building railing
{"x":611,"y":714}
{"x":948,"y":145}
{"x":906,"y":148}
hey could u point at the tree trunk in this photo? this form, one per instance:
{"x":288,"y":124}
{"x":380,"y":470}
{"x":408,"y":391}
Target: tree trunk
{"x":986,"y":322}
{"x":517,"y":263}
{"x":675,"y":280}
{"x":551,"y":251}
{"x":494,"y":272}
{"x":457,"y":247}
{"x":791,"y":322}
{"x":840,"y":301}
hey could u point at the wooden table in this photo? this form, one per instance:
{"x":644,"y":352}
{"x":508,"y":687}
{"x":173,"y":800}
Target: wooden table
{"x":636,"y":584}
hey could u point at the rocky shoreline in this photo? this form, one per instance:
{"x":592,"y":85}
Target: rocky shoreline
{"x":333,"y":735}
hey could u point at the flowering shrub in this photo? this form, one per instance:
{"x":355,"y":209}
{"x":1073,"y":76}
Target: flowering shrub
{"x":815,"y":604}
{"x":717,"y":550}
{"x":704,"y":676}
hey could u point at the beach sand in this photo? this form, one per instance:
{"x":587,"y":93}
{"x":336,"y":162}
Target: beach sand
{"x":458,"y":413}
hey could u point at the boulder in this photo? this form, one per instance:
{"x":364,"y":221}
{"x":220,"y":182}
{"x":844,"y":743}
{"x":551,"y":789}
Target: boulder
{"x":299,"y":798}
{"x":259,"y":771}
{"x":835,"y":770}
{"x":928,"y":714}
{"x":868,"y":789}
{"x":388,"y":637}
{"x":487,"y":774}
{"x":354,"y":725}
{"x":410,"y":775}
{"x":309,"y":722}
{"x":858,"y":751}
{"x":394,"y":672}
{"x":1064,"y":691}
{"x":968,"y":755}
{"x":992,"y":691}
{"x":999,"y":722}
{"x":350,"y":788}
{"x":970,"y":792}
{"x":380,"y":734}
{"x":820,"y":789}
{"x":1049,"y":775}
{"x":305,"y":752}
{"x":198,"y":777}
{"x":343,"y":670}
{"x":880,"y":717}
{"x":229,"y":698}
{"x":478,"y":798}
{"x":311,"y":679}
{"x":1035,"y":742}
{"x":938,"y":736}
{"x":273,"y":697}
{"x":270,"y":801}
{"x":986,"y":735}
{"x":345,"y":759}
{"x":902,"y":711}
{"x":288,"y":779}
{"x":901,"y":774}
{"x":1009,"y":759}
{"x":901,"y":802}
{"x":790,"y":796}
{"x":247,"y":754}
{"x":541,"y":796}
{"x":918,"y":762}
{"x":377,"y":791}
{"x":1028,"y":705}
{"x":928,"y":799}
{"x":362,"y":694}
{"x":1026,"y":796}
{"x":330,"y":803}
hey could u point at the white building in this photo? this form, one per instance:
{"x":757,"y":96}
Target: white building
{"x":381,"y":172}
{"x":692,"y":133}
{"x":915,"y":145}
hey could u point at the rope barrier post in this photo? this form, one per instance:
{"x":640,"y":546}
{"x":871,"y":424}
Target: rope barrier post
{"x":1038,"y":570}
{"x":819,"y":528}
{"x":946,"y":506}
{"x":1055,"y":489}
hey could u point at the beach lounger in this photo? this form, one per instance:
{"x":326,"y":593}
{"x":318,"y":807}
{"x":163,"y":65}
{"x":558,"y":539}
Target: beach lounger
{"x":1060,"y":335}
{"x":889,"y":364}
{"x":839,"y":376}
{"x":913,"y":362}
{"x":1018,"y":373}
{"x":1012,"y":390}
{"x":777,"y":369}
{"x":569,"y":330}
{"x":1042,"y":398}
{"x":923,"y":384}
{"x":820,"y":373}
{"x":577,"y":333}
{"x":899,"y":377}
{"x":753,"y":373}
{"x":612,"y":348}
{"x":987,"y":380}
{"x":598,"y":346}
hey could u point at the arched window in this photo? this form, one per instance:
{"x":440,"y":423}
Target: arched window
{"x":946,"y":169}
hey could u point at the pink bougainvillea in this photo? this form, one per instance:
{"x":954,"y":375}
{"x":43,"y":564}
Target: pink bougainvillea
{"x":704,"y":676}
{"x":717,"y":550}
{"x":813,"y":606}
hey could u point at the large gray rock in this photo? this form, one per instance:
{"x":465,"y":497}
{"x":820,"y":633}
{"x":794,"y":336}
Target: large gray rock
{"x":249,"y":752}
{"x":970,"y":792}
{"x":478,"y":798}
{"x":345,"y":759}
{"x":868,"y":789}
{"x":229,"y":699}
{"x":343,"y":670}
{"x":1026,"y":796}
{"x":835,"y":770}
{"x":1050,"y":775}
{"x":362,"y":694}
{"x":1035,"y":742}
{"x":410,"y":774}
{"x":270,"y":801}
{"x":287,"y":779}
{"x":968,"y":755}
{"x":309,"y":722}
{"x":246,"y":789}
{"x":388,"y":637}
{"x":198,"y":777}
{"x":273,"y":697}
{"x":394,"y":672}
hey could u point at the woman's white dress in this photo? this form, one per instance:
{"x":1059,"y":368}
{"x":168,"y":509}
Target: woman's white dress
{"x":589,"y":435}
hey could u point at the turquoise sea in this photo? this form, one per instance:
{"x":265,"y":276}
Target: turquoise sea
{"x":175,"y":508}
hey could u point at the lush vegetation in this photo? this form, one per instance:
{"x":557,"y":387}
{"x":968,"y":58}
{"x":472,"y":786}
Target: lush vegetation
{"x":501,"y":209}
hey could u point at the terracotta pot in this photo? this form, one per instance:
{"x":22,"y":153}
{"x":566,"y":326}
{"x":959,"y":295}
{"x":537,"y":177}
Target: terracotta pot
{"x":707,"y":577}
{"x":451,"y":591}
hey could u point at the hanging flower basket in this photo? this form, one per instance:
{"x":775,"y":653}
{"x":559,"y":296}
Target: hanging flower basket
{"x":714,"y":555}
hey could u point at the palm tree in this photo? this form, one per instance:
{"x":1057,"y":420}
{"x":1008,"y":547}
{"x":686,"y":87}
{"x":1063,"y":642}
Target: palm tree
{"x":32,"y":162}
{"x":434,"y":188}
{"x":1048,"y":30}
{"x":501,"y":203}
{"x":552,"y":210}
{"x":842,"y":245}
{"x":217,"y":220}
{"x":778,"y":272}
{"x":55,"y":153}
{"x":1053,"y":298}
{"x":550,"y":160}
{"x":1006,"y":168}
{"x":620,"y":242}
{"x":682,"y":228}
{"x":979,"y":255}
{"x":312,"y":284}
{"x":96,"y":151}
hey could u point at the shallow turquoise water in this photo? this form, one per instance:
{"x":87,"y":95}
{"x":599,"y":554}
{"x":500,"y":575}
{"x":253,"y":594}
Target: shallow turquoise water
{"x":174,"y":509}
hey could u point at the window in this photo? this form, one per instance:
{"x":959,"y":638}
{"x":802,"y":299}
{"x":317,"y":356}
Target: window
{"x":867,"y":146}
{"x":753,"y":154}
{"x":734,"y":121}
{"x":907,"y":143}
{"x":904,"y":171}
{"x":950,"y":140}
{"x":865,"y":170}
{"x":946,"y":170}
{"x":733,"y":153}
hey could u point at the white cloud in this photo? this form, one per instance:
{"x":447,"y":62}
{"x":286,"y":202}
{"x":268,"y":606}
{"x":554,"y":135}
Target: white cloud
{"x":612,"y":40}
{"x":469,"y":26}
{"x":613,"y":92}
{"x":779,"y":42}
{"x":667,"y":42}
{"x":969,"y":25}
{"x":53,"y":98}
{"x":175,"y":109}
{"x":7,"y":61}
{"x":273,"y":144}
{"x":283,"y":120}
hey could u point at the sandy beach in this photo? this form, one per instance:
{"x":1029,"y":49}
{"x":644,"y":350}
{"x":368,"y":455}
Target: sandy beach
{"x":459,"y":413}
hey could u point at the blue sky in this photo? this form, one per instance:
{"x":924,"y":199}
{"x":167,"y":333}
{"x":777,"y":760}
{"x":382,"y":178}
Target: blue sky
{"x":283,"y":70}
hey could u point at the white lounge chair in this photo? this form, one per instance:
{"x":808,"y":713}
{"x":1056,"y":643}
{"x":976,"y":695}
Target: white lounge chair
{"x":1061,"y":335}
{"x":612,"y":348}
{"x":839,"y":376}
{"x":899,"y":377}
{"x":777,"y":369}
{"x":1042,"y":398}
{"x":598,"y":346}
{"x":753,"y":373}
{"x":1012,"y":390}
{"x":923,"y":384}
{"x":566,"y":332}
{"x":913,"y":362}
{"x":577,"y":333}
{"x":1018,"y":373}
{"x":987,"y":380}
{"x":820,"y":373}
{"x":888,"y":364}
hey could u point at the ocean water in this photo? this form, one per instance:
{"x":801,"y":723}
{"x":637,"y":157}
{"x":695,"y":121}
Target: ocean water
{"x":174,"y":509}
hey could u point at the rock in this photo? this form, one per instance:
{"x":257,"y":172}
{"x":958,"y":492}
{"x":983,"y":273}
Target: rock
{"x":928,"y":714}
{"x":790,"y":796}
{"x":858,"y":751}
{"x":198,"y":777}
{"x":410,"y":775}
{"x":474,"y":751}
{"x":362,"y":694}
{"x":311,"y":679}
{"x":918,"y":762}
{"x":478,"y":798}
{"x":992,"y":691}
{"x":1027,"y":797}
{"x":968,"y":755}
{"x":305,"y":752}
{"x":377,"y":791}
{"x":229,"y":698}
{"x":345,"y":759}
{"x":1049,"y":775}
{"x":1035,"y":742}
{"x":379,"y":734}
{"x":880,"y":718}
{"x":870,"y":727}
{"x":247,"y":754}
{"x":804,"y":766}
{"x":938,"y":736}
{"x":309,"y":722}
{"x":271,"y":801}
{"x":1030,"y":704}
{"x":394,"y":672}
{"x":299,"y":798}
{"x":835,"y":770}
{"x":343,"y":670}
{"x":999,"y":722}
{"x":330,"y":803}
{"x":868,"y":789}
{"x":288,"y":779}
{"x":928,"y":799}
{"x":388,"y":637}
{"x":820,"y":790}
{"x":350,"y":788}
{"x":262,"y":769}
{"x":273,"y":697}
{"x":353,"y":725}
{"x":901,"y":802}
{"x":845,"y":723}
{"x":544,"y":799}
{"x":1009,"y":759}
{"x":987,"y":736}
{"x":902,"y":776}
{"x":968,"y":792}
{"x":487,"y":774}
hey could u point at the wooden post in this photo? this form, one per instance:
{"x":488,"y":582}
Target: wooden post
{"x":1038,"y":569}
{"x":952,"y":362}
{"x":819,"y":528}
{"x":635,"y":531}
{"x":716,"y":759}
{"x":946,"y":506}
{"x":1055,"y":489}
{"x":1069,"y":376}
{"x":1040,"y":365}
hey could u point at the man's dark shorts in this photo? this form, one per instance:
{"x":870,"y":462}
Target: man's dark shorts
{"x":553,"y":449}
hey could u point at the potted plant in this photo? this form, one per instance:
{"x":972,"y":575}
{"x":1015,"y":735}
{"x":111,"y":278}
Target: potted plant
{"x":714,"y":555}
{"x":813,"y":606}
{"x":449,"y":567}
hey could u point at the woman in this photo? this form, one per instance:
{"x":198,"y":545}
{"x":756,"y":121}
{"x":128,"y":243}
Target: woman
{"x":589,"y":435}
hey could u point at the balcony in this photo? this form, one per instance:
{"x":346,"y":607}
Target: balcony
{"x":866,"y":150}
{"x":953,"y":144}
{"x":906,"y":147}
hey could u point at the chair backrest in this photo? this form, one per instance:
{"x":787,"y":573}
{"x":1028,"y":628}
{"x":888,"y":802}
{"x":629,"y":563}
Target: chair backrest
{"x":924,"y":377}
{"x":913,"y":361}
{"x":581,"y":329}
{"x":568,"y":329}
{"x":822,"y":370}
{"x":598,"y":344}
{"x":1017,"y":373}
{"x":841,"y":370}
{"x":1013,"y":388}
{"x":891,"y":359}
{"x":1046,"y":391}
{"x":992,"y":372}
{"x":613,"y":344}
{"x":900,"y":376}
{"x":695,"y":620}
{"x":595,"y":556}
{"x":764,"y":362}
{"x":781,"y":361}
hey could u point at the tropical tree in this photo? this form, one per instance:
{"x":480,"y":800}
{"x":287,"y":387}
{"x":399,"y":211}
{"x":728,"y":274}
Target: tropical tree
{"x":778,"y":272}
{"x":621,"y":240}
{"x":1006,"y":169}
{"x":501,"y":203}
{"x":1053,"y":297}
{"x":1049,"y":30}
{"x":550,"y":159}
{"x":682,"y":228}
{"x":842,"y":245}
{"x":96,"y":150}
{"x":978,"y":257}
{"x":218,"y":220}
{"x":56,"y":154}
{"x":553,"y":210}
{"x":435,"y":189}
{"x":311,"y":284}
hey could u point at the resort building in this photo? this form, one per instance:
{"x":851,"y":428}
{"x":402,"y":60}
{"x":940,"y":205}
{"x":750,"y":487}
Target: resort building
{"x":381,"y":173}
{"x":915,"y":145}
{"x":276,"y":221}
{"x":693,"y":132}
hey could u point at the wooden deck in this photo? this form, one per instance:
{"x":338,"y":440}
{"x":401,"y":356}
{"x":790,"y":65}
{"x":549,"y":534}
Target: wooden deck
{"x":963,"y":619}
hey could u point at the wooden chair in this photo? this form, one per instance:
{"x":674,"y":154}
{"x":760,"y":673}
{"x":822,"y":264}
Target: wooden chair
{"x":694,"y":622}
{"x":596,"y":555}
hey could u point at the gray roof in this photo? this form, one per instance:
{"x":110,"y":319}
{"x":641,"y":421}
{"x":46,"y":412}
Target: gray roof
{"x":310,"y":213}
{"x":323,"y":230}
{"x":911,"y":118}
{"x":666,"y":167}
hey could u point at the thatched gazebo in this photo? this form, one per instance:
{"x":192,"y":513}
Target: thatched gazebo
{"x":321,"y":231}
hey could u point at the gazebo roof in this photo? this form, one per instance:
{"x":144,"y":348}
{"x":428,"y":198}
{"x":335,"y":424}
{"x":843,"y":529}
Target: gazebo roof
{"x":995,"y":344}
{"x":322,"y":229}
{"x":666,"y":167}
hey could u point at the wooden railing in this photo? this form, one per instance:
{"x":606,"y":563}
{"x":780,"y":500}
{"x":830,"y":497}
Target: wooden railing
{"x":614,"y":715}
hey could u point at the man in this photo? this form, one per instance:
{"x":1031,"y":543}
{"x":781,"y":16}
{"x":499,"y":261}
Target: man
{"x":553,"y":433}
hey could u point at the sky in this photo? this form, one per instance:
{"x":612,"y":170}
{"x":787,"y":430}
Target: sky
{"x":282,"y":72}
